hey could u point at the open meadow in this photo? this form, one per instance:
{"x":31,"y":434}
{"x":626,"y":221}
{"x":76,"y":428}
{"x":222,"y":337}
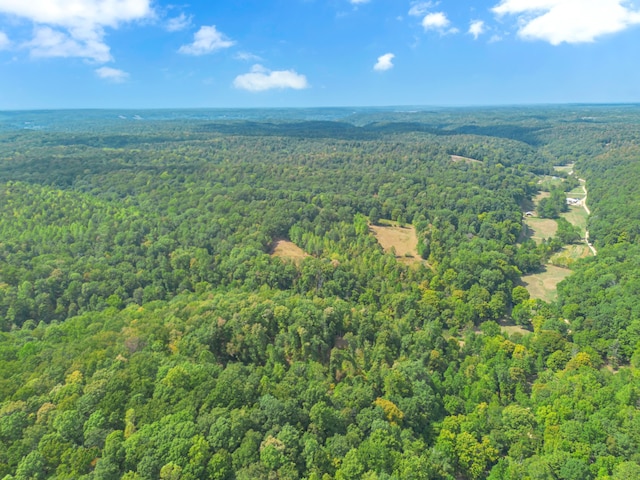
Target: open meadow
{"x":458,"y":158}
{"x":577,"y":216}
{"x":401,"y":240}
{"x":539,"y":229}
{"x":564,"y":168}
{"x":288,"y":250}
{"x":544,"y":285}
{"x":570,"y":254}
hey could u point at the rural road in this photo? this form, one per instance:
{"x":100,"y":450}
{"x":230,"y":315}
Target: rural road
{"x":584,"y":204}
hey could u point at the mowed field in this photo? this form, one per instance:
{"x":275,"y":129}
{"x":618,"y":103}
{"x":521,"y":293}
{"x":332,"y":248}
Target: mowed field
{"x":403,"y":240}
{"x":544,"y":285}
{"x":288,"y":251}
{"x":549,"y":181}
{"x":577,"y":216}
{"x":539,"y":229}
{"x":577,"y":192}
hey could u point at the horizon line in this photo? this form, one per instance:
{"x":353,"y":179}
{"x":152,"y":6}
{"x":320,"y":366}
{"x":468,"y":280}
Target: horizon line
{"x":341,"y":107}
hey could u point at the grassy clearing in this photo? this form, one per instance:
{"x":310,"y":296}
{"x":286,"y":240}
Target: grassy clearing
{"x":511,"y":329}
{"x":535,"y":228}
{"x":403,"y":240}
{"x":577,"y":216}
{"x":548,"y":181}
{"x":506,"y":326}
{"x":569,"y":254}
{"x":577,"y":192}
{"x":540,"y":196}
{"x":564,"y":168}
{"x":458,"y":158}
{"x":544,"y":285}
{"x":288,"y":251}
{"x":539,"y":229}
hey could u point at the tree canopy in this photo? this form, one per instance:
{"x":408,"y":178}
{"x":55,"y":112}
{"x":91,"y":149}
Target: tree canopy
{"x":147,"y":330}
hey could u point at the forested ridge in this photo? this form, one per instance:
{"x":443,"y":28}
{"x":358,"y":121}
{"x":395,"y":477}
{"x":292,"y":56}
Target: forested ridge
{"x":148,"y":332}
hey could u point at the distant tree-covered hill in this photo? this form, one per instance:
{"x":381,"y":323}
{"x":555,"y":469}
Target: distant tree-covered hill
{"x":148,"y":330}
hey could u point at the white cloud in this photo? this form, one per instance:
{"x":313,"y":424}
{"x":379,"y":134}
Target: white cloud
{"x":112,"y":74}
{"x":570,"y":21}
{"x":261,"y":79}
{"x":73,"y":12}
{"x":181,"y":22}
{"x":207,"y":40}
{"x":435,"y":21}
{"x":476,"y":28}
{"x":47,"y":42}
{"x":358,"y":2}
{"x":4,"y":41}
{"x":75,"y":28}
{"x":247,"y":57}
{"x":384,"y":63}
{"x":418,"y":9}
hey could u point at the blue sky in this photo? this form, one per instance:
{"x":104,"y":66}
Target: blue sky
{"x":288,"y":53}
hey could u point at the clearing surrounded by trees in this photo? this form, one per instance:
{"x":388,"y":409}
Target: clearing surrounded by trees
{"x":577,"y":216}
{"x":568,"y":168}
{"x":458,"y":158}
{"x":403,"y":240}
{"x":288,"y":250}
{"x":569,"y":254}
{"x":544,"y":285}
{"x":540,"y":229}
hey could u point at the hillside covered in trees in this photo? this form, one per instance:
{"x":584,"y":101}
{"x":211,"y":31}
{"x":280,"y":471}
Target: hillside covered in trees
{"x":148,"y":331}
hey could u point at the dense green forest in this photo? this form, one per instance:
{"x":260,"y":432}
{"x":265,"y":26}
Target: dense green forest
{"x":147,"y":330}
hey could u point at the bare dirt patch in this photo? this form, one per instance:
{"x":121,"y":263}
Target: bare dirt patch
{"x":402,"y":240}
{"x":458,"y":158}
{"x":544,"y":285}
{"x":288,"y":250}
